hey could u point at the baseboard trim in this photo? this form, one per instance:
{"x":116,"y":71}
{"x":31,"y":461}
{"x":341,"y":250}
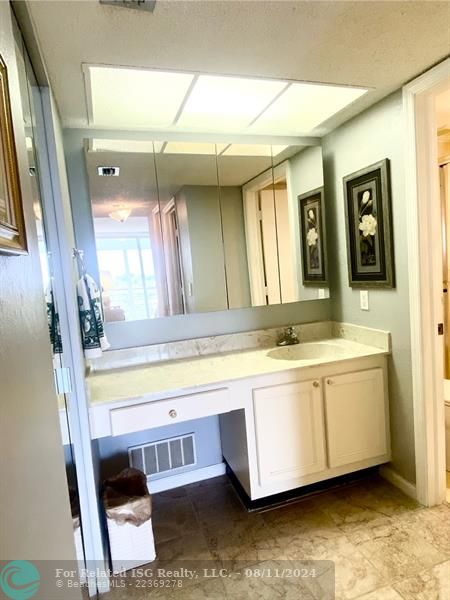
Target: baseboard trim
{"x":393,"y":477}
{"x":174,"y":481}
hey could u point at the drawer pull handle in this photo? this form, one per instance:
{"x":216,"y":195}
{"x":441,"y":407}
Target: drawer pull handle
{"x":316,"y":384}
{"x":172,"y":413}
{"x":330,"y":381}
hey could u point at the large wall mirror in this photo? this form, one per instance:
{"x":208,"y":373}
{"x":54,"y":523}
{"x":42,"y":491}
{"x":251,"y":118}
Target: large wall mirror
{"x":186,"y":227}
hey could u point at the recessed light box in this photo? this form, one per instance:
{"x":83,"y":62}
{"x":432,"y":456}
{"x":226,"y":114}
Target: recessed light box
{"x":224,"y":104}
{"x":304,"y":106}
{"x":135,"y":98}
{"x":148,"y":99}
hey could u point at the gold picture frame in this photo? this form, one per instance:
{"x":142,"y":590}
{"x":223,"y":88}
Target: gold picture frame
{"x":12,"y":225}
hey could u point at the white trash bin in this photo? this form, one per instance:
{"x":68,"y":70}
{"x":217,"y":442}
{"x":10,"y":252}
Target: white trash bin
{"x":128,"y":510}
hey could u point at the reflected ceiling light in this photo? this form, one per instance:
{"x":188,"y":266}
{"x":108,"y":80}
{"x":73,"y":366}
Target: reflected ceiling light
{"x":226,"y":103}
{"x":192,"y":148}
{"x":253,"y":150}
{"x":120,"y":214}
{"x":134,"y":98}
{"x":136,"y":146}
{"x":304,"y":106}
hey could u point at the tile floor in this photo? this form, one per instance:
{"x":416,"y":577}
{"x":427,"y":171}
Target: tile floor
{"x":383,"y":544}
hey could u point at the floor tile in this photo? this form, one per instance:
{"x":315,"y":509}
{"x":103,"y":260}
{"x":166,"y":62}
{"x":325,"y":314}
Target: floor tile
{"x":432,"y":525}
{"x":384,"y":593}
{"x":192,"y":547}
{"x":431,"y":584}
{"x":355,"y":575}
{"x":397,"y":552}
{"x":243,"y":542}
{"x":174,"y":518}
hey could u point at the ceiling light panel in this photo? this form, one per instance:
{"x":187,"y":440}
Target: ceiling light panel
{"x":193,"y":148}
{"x":136,"y":146}
{"x":302,"y":107}
{"x":189,"y":148}
{"x":224,"y":104}
{"x":135,"y":98}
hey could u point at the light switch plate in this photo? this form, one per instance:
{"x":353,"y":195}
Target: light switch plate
{"x":321,"y":294}
{"x":364,"y":299}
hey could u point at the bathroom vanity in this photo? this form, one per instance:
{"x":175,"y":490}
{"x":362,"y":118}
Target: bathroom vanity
{"x":289,"y":416}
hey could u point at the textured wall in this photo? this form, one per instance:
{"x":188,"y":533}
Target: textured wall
{"x":35,"y":521}
{"x":372,"y":136}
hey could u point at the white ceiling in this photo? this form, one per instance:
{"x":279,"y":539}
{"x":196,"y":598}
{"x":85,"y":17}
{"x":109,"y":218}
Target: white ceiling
{"x":379,"y":45}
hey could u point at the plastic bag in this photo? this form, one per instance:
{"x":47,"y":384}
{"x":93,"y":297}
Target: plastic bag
{"x":126,"y":498}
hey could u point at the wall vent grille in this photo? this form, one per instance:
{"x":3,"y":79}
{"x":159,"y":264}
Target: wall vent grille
{"x":164,"y":455}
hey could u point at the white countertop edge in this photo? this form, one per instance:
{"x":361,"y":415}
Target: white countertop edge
{"x":270,"y":366}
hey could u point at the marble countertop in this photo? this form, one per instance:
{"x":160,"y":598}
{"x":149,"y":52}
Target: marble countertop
{"x":175,"y":376}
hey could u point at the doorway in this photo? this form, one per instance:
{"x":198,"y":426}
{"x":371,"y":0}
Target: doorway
{"x":425,"y":266}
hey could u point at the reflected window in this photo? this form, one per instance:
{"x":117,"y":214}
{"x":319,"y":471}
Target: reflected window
{"x":127,"y":274}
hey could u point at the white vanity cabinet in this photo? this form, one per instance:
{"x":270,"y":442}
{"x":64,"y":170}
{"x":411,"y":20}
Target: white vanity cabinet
{"x":289,"y":431}
{"x":355,"y":417}
{"x":281,"y":428}
{"x":306,"y":425}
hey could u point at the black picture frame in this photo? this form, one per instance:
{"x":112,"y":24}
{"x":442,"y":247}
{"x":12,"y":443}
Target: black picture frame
{"x":368,"y":216}
{"x":313,"y":238}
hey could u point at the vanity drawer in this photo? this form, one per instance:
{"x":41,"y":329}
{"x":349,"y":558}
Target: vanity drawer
{"x":165,"y":412}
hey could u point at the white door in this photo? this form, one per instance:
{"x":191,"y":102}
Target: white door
{"x":270,"y":246}
{"x":286,"y":248}
{"x":356,"y":417}
{"x":289,"y":431}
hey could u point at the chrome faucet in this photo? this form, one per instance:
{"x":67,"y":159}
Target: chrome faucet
{"x":288,"y":338}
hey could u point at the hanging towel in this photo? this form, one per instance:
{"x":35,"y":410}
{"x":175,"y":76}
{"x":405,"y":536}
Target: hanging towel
{"x":53,"y":322}
{"x":91,"y":318}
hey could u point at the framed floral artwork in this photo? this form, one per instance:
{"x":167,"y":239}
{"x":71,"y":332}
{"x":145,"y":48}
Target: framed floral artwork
{"x":313,"y":238}
{"x":12,"y":226}
{"x":369,"y":227}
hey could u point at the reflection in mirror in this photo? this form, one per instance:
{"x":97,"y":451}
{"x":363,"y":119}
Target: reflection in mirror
{"x":189,"y":205}
{"x":187,"y":227}
{"x":249,"y":258}
{"x":127,"y":227}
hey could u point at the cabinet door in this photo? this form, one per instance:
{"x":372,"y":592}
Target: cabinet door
{"x":355,"y":417}
{"x":289,"y":428}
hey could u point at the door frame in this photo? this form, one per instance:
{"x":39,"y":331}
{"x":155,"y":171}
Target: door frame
{"x":423,"y":222}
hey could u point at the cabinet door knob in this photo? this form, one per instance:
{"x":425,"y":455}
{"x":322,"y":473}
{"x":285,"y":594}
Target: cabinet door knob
{"x":330,"y":381}
{"x":316,"y":384}
{"x":172,"y":413}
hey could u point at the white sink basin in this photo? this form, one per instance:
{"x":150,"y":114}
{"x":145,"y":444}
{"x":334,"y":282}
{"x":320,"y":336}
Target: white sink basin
{"x":309,"y":351}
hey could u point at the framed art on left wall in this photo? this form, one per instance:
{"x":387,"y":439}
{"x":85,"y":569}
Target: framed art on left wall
{"x":12,"y":225}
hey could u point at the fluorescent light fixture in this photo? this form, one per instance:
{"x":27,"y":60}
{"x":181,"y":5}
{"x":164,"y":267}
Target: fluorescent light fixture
{"x":136,"y":146}
{"x":226,"y":103}
{"x":304,"y":106}
{"x":253,"y":150}
{"x":127,"y":98}
{"x":120,"y":214}
{"x":135,"y":98}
